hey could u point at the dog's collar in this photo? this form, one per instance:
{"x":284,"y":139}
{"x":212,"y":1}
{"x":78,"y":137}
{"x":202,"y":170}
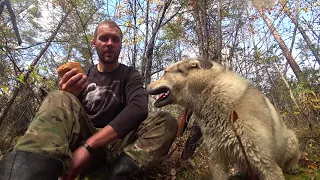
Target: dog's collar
{"x":234,"y":116}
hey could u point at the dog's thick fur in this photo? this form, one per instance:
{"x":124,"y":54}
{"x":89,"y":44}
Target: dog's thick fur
{"x":213,"y":92}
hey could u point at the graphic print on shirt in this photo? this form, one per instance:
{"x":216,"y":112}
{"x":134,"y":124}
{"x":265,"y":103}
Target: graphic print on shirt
{"x":101,"y":98}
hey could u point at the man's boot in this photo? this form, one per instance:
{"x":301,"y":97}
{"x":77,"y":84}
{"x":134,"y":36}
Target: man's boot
{"x":124,"y":169}
{"x":21,"y":165}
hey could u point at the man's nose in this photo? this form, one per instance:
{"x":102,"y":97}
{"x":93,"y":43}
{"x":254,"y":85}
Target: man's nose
{"x":109,"y":42}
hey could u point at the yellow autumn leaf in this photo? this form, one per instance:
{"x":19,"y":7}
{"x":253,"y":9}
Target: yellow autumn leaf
{"x":140,"y":21}
{"x":4,"y":89}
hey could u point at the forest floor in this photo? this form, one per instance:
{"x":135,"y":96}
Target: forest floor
{"x":198,"y":168}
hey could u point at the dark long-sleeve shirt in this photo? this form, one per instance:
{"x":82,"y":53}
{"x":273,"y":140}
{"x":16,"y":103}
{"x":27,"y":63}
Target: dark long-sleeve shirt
{"x":116,"y":98}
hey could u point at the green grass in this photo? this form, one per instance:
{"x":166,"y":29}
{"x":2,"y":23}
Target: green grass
{"x":305,"y":174}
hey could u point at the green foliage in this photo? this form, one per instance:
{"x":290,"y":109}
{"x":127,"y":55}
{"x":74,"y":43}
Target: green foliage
{"x":20,"y":78}
{"x":174,"y":30}
{"x":34,"y":11}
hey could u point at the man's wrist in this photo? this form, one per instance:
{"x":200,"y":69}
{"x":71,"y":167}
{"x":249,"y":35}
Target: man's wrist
{"x":88,"y":147}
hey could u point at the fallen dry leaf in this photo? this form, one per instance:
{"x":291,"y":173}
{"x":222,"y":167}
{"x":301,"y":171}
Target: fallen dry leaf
{"x":312,"y":166}
{"x":310,"y":171}
{"x":173,"y":172}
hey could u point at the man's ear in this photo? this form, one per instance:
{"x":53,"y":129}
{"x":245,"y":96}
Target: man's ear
{"x":93,"y":42}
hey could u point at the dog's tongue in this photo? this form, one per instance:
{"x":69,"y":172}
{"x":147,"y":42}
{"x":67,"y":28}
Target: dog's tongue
{"x":162,"y":95}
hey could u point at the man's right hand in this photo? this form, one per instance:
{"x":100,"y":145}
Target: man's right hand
{"x":73,"y":82}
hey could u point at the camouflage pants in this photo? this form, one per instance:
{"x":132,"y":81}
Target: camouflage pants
{"x":61,"y":125}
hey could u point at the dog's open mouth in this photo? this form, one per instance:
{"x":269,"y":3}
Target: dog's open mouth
{"x":164,"y":96}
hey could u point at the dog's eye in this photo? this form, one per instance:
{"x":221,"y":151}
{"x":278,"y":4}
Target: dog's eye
{"x":179,"y":71}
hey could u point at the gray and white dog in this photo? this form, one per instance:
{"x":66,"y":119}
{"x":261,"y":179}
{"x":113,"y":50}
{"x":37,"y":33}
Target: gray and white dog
{"x":213,"y":93}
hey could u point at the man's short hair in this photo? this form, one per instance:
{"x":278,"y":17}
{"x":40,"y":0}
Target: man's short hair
{"x":109,"y":23}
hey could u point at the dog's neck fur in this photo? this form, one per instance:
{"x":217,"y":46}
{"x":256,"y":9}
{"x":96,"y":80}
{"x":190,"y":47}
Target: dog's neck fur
{"x":217,"y":101}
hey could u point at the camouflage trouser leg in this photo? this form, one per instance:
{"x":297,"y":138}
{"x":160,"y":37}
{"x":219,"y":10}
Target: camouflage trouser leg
{"x":148,"y":144}
{"x":59,"y":127}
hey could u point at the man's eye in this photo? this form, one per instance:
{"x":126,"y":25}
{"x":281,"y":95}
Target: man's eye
{"x":104,"y":38}
{"x":115,"y":39}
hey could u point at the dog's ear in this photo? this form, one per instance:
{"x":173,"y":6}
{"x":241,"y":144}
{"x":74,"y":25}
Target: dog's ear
{"x":202,"y":64}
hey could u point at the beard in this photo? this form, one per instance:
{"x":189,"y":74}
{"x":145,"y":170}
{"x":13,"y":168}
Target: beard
{"x":108,"y":60}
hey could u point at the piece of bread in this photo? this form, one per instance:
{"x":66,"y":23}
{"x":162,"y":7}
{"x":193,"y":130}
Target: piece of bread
{"x":68,"y":66}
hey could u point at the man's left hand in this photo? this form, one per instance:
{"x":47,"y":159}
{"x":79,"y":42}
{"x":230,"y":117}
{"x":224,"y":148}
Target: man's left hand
{"x":80,"y":159}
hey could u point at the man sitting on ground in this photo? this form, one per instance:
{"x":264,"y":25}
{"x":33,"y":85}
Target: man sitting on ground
{"x":97,"y":118}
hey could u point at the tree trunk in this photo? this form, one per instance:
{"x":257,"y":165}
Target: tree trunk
{"x":133,"y":7}
{"x":205,"y":49}
{"x":2,"y":6}
{"x":303,"y":33}
{"x":134,"y":57}
{"x":144,"y":57}
{"x":294,"y":66}
{"x":192,"y":142}
{"x":150,"y":47}
{"x":206,"y":35}
{"x":219,"y":33}
{"x":12,"y":18}
{"x":84,"y":26}
{"x":200,"y":27}
{"x":234,"y":45}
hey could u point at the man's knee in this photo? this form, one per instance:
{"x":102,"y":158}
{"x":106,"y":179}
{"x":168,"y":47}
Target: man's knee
{"x":61,"y":99}
{"x":155,"y":137}
{"x":61,"y":95}
{"x":56,"y":128}
{"x":171,"y":122}
{"x":165,"y":119}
